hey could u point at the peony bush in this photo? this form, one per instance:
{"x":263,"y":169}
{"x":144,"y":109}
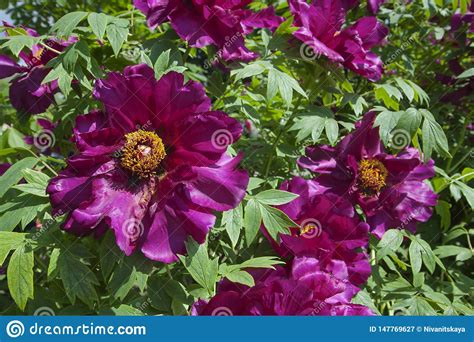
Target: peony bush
{"x":218,"y":157}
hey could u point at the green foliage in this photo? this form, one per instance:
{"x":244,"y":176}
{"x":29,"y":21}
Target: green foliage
{"x":291,"y":102}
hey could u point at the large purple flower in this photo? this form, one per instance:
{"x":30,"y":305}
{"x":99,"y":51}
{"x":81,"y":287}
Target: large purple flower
{"x":152,"y":166}
{"x":27,"y":94}
{"x":320,"y":27}
{"x":303,"y":290}
{"x":328,"y":230}
{"x":389,"y":188}
{"x":222,"y":23}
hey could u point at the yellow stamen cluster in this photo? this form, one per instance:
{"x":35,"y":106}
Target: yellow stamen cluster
{"x":372,"y":175}
{"x":142,"y":153}
{"x":308,"y":228}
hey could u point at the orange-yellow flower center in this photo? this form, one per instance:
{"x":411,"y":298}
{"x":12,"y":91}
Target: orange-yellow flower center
{"x":308,"y":228}
{"x":372,"y":175}
{"x":142,"y":153}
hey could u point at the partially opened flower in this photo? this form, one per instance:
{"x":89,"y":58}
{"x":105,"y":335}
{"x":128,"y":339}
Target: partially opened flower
{"x":27,"y":94}
{"x":320,"y":27}
{"x":222,"y":23}
{"x":328,"y":230}
{"x":389,"y":188}
{"x":300,"y":290}
{"x":152,"y":166}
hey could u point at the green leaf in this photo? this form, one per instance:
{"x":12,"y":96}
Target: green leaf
{"x":159,"y":299}
{"x":285,"y":85}
{"x":382,"y":94}
{"x":122,"y":310}
{"x":275,"y":197}
{"x":200,"y":267}
{"x":13,"y":174}
{"x":98,"y":23}
{"x":467,"y":191}
{"x":24,"y":209}
{"x":415,"y":256}
{"x":117,"y":33}
{"x":420,"y":307}
{"x":390,"y":242}
{"x":109,"y":255}
{"x":332,"y":130}
{"x":275,"y":221}
{"x":252,"y":220}
{"x":387,"y":121}
{"x":249,"y":70}
{"x":53,"y":269}
{"x":78,"y":279}
{"x":8,"y":242}
{"x":410,"y":121}
{"x":420,"y":94}
{"x":233,"y":221}
{"x":443,"y":210}
{"x":20,"y":276}
{"x":258,"y":262}
{"x":466,"y":73}
{"x":433,"y":137}
{"x":407,"y":89}
{"x":461,"y":253}
{"x":241,"y":277}
{"x":419,"y":251}
{"x":18,"y":43}
{"x":66,"y":24}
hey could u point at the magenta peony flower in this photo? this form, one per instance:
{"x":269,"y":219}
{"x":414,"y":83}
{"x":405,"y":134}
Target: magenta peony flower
{"x":222,"y":23}
{"x":27,"y":94}
{"x":374,"y":5}
{"x":320,"y":27}
{"x":152,"y":166}
{"x":389,"y":189}
{"x":329,"y":231}
{"x":303,"y":290}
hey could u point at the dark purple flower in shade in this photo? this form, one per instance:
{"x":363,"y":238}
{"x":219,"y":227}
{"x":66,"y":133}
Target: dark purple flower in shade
{"x":4,"y":167}
{"x":328,"y":230}
{"x":222,"y":23}
{"x":27,"y":94}
{"x":152,"y":166}
{"x":463,"y":87}
{"x":389,"y":188}
{"x":320,"y":27}
{"x":302,"y":290}
{"x":459,"y":18}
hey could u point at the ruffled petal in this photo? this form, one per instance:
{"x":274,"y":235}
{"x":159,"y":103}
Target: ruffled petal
{"x":219,"y":187}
